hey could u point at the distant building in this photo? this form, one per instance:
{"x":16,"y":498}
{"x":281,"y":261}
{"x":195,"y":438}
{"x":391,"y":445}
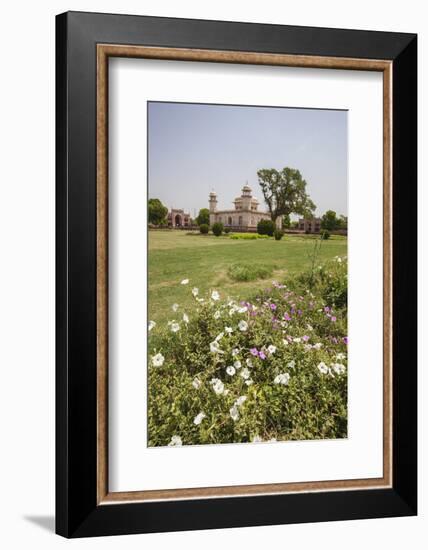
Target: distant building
{"x":245,"y":215}
{"x":310,"y":225}
{"x":178,"y":218}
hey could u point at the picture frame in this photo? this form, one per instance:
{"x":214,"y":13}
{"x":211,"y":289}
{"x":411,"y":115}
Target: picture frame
{"x":84,"y":44}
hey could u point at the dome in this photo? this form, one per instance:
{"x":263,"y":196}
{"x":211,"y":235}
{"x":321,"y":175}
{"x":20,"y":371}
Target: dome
{"x":246,"y":190}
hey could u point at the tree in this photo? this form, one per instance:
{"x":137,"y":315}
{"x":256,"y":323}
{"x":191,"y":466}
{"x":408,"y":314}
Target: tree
{"x":343,"y":222}
{"x":203,"y":216}
{"x":218,"y":229}
{"x":266,"y":227}
{"x":329,"y":221}
{"x":285,"y":192}
{"x":157,"y":212}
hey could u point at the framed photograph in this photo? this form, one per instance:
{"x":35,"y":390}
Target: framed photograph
{"x":236,"y":274}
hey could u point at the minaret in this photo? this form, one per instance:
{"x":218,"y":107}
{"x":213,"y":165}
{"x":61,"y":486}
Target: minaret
{"x":213,"y":207}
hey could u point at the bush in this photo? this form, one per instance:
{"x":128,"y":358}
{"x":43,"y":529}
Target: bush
{"x":227,"y":230}
{"x":217,"y":229}
{"x":279,"y":371}
{"x":325,"y":235}
{"x":248,"y":236}
{"x":248,"y":272}
{"x":204,"y":228}
{"x":278,"y":234}
{"x":266,"y":227}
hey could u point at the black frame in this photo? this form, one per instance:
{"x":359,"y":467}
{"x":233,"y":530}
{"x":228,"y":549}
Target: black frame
{"x":77,"y":513}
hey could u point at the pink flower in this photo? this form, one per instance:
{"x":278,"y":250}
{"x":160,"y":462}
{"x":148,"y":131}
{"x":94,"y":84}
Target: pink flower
{"x":254,"y":352}
{"x":262,"y":355}
{"x":305,"y":338}
{"x":287,"y":317}
{"x":326,"y":309}
{"x":273,"y":307}
{"x":333,"y":319}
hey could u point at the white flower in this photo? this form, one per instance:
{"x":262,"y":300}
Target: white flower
{"x":243,"y":325}
{"x":245,"y":373}
{"x":338,"y":368}
{"x":271,"y":349}
{"x":217,"y":385}
{"x":310,"y":328}
{"x":233,"y":309}
{"x":291,"y":364}
{"x":234,"y":413}
{"x":235,"y":352}
{"x":282,"y":378}
{"x":152,"y":324}
{"x":317,"y":345}
{"x":297,"y":340}
{"x":219,"y":336}
{"x":158,"y":360}
{"x":175,"y":441}
{"x":322,"y":367}
{"x":215,"y":295}
{"x":185,"y":282}
{"x":230,"y":370}
{"x":175,"y":327}
{"x":198,"y":418}
{"x":228,"y":330}
{"x":214,"y":347}
{"x":185,"y":318}
{"x":249,"y":362}
{"x":249,"y":382}
{"x":217,"y":314}
{"x":339,"y":260}
{"x":195,"y":291}
{"x":200,"y":300}
{"x":242,"y":309}
{"x":285,"y":342}
{"x":196,"y":383}
{"x":237,"y":364}
{"x":241,"y":400}
{"x":257,"y":439}
{"x":174,"y":307}
{"x":307,"y":347}
{"x":340,"y":356}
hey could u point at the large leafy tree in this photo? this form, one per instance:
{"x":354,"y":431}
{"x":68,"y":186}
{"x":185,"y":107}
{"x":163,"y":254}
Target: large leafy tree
{"x":284,"y":192}
{"x":330,"y":221}
{"x":203,"y":217}
{"x":157,"y":212}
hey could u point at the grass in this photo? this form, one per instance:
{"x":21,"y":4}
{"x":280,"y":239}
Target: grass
{"x":206,"y":260}
{"x":249,"y":272}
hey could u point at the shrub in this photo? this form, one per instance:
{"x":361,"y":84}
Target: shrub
{"x":227,"y":230}
{"x":204,"y":228}
{"x":248,"y":272}
{"x":217,"y":229}
{"x":266,"y":227}
{"x":279,"y":371}
{"x":278,"y":234}
{"x":325,"y":235}
{"x":248,"y":236}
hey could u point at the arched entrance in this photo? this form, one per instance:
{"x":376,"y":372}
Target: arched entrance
{"x":177,"y":221}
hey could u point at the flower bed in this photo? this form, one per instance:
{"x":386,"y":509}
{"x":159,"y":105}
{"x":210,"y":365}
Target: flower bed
{"x":273,"y":368}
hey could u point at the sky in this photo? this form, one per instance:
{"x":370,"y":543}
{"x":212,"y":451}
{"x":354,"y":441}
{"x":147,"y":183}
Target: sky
{"x":197,"y":148}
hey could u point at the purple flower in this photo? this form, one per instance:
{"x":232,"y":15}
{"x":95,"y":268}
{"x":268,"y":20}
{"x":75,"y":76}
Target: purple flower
{"x":345,"y":340}
{"x":305,"y":338}
{"x":287,"y":317}
{"x":273,"y":307}
{"x":293,"y":310}
{"x":299,"y":312}
{"x":333,"y":319}
{"x":326,"y":309}
{"x":254,"y":352}
{"x":262,"y":355}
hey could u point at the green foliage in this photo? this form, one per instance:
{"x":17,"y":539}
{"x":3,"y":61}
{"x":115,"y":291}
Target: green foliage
{"x":272,"y":368}
{"x":284,"y":192}
{"x":157,"y":212}
{"x":266,"y":227}
{"x":325,"y":235}
{"x":227,"y":230}
{"x":286,"y":221}
{"x":248,"y":236}
{"x":217,"y":229}
{"x":204,"y":228}
{"x":248,"y":272}
{"x":278,"y":234}
{"x":330,"y":221}
{"x":203,"y":217}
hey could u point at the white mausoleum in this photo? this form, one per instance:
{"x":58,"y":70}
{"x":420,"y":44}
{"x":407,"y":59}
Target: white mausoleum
{"x":245,"y":215}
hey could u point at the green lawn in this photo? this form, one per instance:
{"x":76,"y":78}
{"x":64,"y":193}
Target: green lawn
{"x":205,"y":259}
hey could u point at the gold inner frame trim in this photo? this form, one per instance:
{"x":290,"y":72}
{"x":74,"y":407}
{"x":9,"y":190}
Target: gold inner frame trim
{"x":104,"y":51}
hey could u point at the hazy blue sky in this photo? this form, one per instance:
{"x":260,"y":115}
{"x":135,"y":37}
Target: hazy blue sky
{"x":194,"y":149}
